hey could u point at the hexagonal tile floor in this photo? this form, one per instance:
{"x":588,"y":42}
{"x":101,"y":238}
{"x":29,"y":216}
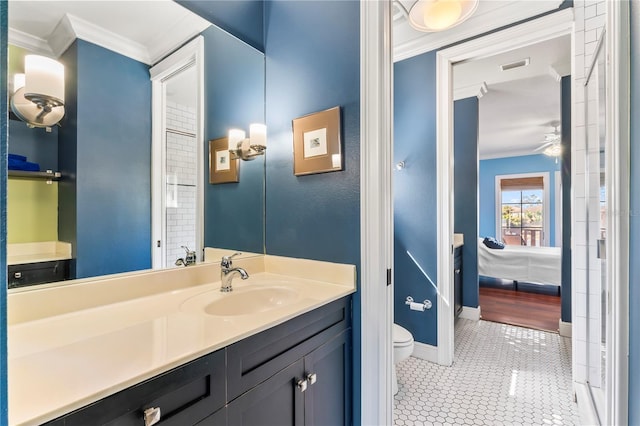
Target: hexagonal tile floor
{"x":502,"y":375}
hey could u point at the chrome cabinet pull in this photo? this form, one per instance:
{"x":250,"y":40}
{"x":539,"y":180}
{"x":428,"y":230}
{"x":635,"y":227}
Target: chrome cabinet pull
{"x":457,"y":271}
{"x":312,"y":378}
{"x":151,"y":416}
{"x":302,"y":385}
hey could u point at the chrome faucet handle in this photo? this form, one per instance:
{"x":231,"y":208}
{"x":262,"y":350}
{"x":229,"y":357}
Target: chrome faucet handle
{"x":226,"y":260}
{"x":190,"y":258}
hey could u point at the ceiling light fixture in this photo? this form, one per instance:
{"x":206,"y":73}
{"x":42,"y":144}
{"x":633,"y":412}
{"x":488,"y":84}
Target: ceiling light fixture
{"x":439,"y":15}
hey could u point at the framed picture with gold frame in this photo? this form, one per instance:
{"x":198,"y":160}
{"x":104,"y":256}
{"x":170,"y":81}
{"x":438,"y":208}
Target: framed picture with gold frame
{"x":317,"y":146}
{"x":222,"y":169}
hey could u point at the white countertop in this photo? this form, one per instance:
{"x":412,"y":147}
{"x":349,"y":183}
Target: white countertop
{"x":458,"y":240}
{"x":19,"y":253}
{"x":63,"y":362}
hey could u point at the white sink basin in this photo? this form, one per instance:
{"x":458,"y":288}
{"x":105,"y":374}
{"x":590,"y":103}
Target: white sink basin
{"x":243,"y":301}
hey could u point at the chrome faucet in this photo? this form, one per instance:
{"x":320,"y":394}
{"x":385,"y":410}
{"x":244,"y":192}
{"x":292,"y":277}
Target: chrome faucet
{"x":189,"y":259}
{"x":227,"y":274}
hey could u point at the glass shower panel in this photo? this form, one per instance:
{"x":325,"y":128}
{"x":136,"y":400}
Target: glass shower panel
{"x":597,"y":215}
{"x":181,"y":167}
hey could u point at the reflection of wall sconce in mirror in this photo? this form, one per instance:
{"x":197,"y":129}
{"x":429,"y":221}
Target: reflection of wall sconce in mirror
{"x":249,"y":148}
{"x":38,"y":94}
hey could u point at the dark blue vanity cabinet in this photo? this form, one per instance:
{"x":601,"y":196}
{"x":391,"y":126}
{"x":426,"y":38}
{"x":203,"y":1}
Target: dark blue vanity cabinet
{"x":457,"y":281}
{"x":296,"y":373}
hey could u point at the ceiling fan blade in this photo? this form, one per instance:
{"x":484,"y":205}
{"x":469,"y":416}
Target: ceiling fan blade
{"x":543,"y":146}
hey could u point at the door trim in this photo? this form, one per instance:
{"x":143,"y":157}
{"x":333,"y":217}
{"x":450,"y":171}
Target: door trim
{"x":191,"y":53}
{"x":376,"y":215}
{"x":544,"y":28}
{"x":617,"y":104}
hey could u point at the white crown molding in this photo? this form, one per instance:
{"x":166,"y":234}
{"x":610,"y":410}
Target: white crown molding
{"x":185,"y":27}
{"x":62,"y":36}
{"x":508,"y":154}
{"x":478,"y":90}
{"x":553,"y":72}
{"x":480,"y":23}
{"x":27,"y":41}
{"x":94,"y":34}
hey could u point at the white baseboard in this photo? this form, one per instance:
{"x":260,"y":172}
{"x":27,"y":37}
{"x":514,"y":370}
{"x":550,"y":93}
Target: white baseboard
{"x":426,"y":352}
{"x":564,"y":328}
{"x":470,"y":313}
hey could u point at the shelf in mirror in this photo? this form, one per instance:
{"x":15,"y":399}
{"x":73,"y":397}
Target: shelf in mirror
{"x":46,"y":175}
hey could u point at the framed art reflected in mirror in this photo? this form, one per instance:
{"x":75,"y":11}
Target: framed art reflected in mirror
{"x":222,"y":169}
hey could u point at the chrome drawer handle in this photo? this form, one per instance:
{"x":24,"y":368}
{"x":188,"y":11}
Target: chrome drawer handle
{"x":151,"y":416}
{"x":312,"y":378}
{"x":457,"y":271}
{"x":17,"y":275}
{"x":302,"y":385}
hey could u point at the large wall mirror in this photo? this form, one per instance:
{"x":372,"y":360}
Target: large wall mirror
{"x":99,"y":211}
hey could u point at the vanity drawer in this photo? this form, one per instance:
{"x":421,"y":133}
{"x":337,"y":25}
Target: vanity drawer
{"x":185,"y":395}
{"x":37,"y":273}
{"x":254,"y":359}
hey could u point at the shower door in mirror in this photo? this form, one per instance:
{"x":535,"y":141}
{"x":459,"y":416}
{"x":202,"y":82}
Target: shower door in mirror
{"x":596,"y":184}
{"x":177,"y":180}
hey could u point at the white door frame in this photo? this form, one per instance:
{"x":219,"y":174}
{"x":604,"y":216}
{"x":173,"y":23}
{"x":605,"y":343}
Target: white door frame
{"x":545,"y":28}
{"x":376,"y":212}
{"x":617,"y":177}
{"x":191,"y":54}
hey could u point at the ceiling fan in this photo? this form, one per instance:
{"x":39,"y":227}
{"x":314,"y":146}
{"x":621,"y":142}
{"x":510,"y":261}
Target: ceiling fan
{"x":551,"y":144}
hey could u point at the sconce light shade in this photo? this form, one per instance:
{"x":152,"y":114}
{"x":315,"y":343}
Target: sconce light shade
{"x":235,"y":136}
{"x":248,"y":148}
{"x":439,"y":15}
{"x":38,"y":97}
{"x":258,"y":134}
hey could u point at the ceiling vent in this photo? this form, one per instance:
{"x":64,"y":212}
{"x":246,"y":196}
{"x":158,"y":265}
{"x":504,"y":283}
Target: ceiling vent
{"x":516,"y":64}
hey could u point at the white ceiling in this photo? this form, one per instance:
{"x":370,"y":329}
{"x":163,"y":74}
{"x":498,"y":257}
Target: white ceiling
{"x":143,"y":30}
{"x":520,"y":104}
{"x":524,"y":99}
{"x":490,"y":14}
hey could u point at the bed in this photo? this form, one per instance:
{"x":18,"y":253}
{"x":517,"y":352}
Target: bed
{"x":537,"y":265}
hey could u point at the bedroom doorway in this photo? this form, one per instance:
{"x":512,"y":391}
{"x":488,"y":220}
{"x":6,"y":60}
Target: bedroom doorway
{"x":517,"y":160}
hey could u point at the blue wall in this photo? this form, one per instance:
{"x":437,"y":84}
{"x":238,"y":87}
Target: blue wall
{"x":110,"y":186}
{"x":313,"y":63}
{"x":3,"y":212}
{"x":489,"y":169}
{"x":234,"y":87}
{"x":634,"y":222}
{"x":414,"y":190}
{"x":465,"y":165}
{"x":36,"y":144}
{"x":242,"y":18}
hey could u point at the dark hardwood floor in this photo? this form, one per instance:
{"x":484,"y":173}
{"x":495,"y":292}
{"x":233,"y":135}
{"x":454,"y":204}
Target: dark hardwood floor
{"x":539,"y":310}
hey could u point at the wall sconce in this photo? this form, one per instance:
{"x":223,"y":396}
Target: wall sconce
{"x":438,"y":15}
{"x":249,"y":148}
{"x":38,"y":94}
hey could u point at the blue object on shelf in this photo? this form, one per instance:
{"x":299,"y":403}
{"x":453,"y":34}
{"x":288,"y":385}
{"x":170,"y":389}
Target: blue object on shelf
{"x":19,"y":162}
{"x":17,"y":157}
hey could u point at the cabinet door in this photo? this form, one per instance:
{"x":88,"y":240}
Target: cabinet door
{"x":328,"y":397}
{"x":278,"y":401}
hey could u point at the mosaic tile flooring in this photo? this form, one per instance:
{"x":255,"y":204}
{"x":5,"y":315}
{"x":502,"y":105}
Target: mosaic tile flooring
{"x":502,"y":375}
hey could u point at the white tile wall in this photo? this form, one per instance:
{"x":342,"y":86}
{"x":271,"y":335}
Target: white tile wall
{"x":590,"y":17}
{"x":182,"y":157}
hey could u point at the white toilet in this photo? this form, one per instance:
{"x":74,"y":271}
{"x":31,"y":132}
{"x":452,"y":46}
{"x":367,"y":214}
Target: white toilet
{"x":402,"y":349}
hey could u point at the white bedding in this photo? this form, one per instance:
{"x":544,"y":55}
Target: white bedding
{"x":538,"y":265}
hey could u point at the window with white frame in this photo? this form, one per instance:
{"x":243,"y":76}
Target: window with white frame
{"x":522,"y":209}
